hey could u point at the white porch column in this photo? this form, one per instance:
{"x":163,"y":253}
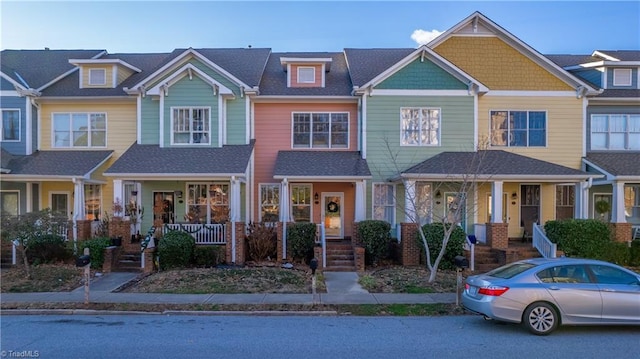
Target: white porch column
{"x":29,"y":196}
{"x":360,"y":210}
{"x":411,"y":214}
{"x":496,"y":201}
{"x":617,"y":207}
{"x":284,"y":213}
{"x":78,"y":208}
{"x":234,"y":214}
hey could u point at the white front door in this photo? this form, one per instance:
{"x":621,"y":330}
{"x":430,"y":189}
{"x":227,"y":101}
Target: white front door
{"x":332,"y":214}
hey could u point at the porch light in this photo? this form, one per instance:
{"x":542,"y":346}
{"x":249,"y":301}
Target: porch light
{"x":438,"y":194}
{"x":315,"y":198}
{"x":514,"y":196}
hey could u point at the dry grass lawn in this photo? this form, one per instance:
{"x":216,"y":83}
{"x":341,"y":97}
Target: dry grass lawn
{"x":398,"y":279}
{"x":45,"y":278}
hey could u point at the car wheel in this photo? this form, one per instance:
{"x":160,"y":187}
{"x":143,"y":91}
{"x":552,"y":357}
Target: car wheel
{"x":540,"y":318}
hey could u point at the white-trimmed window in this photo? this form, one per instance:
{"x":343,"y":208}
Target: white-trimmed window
{"x":79,"y":130}
{"x":9,"y":203}
{"x":519,"y":128}
{"x":615,"y":132}
{"x":320,"y":130}
{"x":207,"y":202}
{"x":10,"y":125}
{"x":190,"y":125}
{"x":423,"y":201}
{"x":419,"y":126}
{"x":301,"y":202}
{"x":384,"y":202}
{"x":92,"y":201}
{"x":632,"y":203}
{"x":622,"y":77}
{"x":269,"y":202}
{"x":565,"y":201}
{"x":97,"y":77}
{"x":306,"y":75}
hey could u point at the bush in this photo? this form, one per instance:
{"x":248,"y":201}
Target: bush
{"x":375,"y":237}
{"x":175,"y":250}
{"x":262,"y":241}
{"x":634,"y":254}
{"x":301,"y":238}
{"x":208,"y":256}
{"x":434,"y":233}
{"x":584,"y":238}
{"x":96,"y":250}
{"x":48,"y":248}
{"x":615,"y":252}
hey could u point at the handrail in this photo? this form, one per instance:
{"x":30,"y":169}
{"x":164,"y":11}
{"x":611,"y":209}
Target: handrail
{"x":540,"y":241}
{"x":321,"y":238}
{"x":472,"y":249}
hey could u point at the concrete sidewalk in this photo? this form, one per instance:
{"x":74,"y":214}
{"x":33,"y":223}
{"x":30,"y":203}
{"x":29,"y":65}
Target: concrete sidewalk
{"x":342,"y":288}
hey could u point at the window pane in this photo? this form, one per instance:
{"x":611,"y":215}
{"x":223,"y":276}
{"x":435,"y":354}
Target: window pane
{"x":598,"y":141}
{"x":410,"y":126}
{"x":339,"y":130}
{"x":92,"y":201}
{"x":270,"y":202}
{"x":301,"y":130}
{"x":321,"y":130}
{"x":617,"y":141}
{"x":10,"y":125}
{"x":9,"y":203}
{"x":499,"y":128}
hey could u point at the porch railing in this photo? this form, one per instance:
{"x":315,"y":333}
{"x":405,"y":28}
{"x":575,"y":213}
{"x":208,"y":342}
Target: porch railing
{"x":547,"y":248}
{"x":322,"y":240}
{"x":471,"y":247}
{"x":202,"y":233}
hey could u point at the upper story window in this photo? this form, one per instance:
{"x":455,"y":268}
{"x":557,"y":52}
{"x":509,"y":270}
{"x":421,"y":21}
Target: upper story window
{"x":79,"y":130}
{"x":10,"y":125}
{"x":190,"y":125}
{"x":306,"y":75}
{"x":321,"y":130}
{"x":519,"y":128}
{"x":97,"y":77}
{"x":615,"y":132}
{"x":621,"y":77}
{"x":419,"y":126}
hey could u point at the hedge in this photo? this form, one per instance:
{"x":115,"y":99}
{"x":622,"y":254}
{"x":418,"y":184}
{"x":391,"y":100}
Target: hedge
{"x":96,"y":250}
{"x":175,"y":250}
{"x":301,"y":240}
{"x":375,"y":237}
{"x":434,"y":233}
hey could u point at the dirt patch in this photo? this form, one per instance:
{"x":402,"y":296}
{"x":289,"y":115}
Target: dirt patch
{"x":398,"y":279}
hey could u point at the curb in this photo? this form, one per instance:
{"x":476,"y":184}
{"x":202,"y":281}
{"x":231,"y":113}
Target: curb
{"x":278,"y":313}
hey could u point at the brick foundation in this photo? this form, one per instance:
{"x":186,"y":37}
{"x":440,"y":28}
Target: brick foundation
{"x":241,"y":241}
{"x":110,"y":259}
{"x":317,"y":254}
{"x":620,"y":232}
{"x":498,"y":235}
{"x":359,"y":253}
{"x":149,"y":255}
{"x":409,"y":246}
{"x":120,"y":228}
{"x":355,"y":238}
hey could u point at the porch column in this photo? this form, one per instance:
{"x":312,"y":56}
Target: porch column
{"x":78,"y":208}
{"x":284,"y":213}
{"x":29,"y":196}
{"x":360,"y":210}
{"x":117,"y":195}
{"x":234,"y":214}
{"x":496,"y":201}
{"x":581,"y":206}
{"x":617,"y":207}
{"x":410,"y":202}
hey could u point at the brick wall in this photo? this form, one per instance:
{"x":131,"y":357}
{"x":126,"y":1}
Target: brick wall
{"x":149,"y":255}
{"x":620,"y":232}
{"x":110,"y":259}
{"x":359,"y":253}
{"x":409,"y":246}
{"x":498,"y":235}
{"x":120,"y":228}
{"x":279,"y":243}
{"x":355,"y":239}
{"x":240,"y":243}
{"x":84,"y":230}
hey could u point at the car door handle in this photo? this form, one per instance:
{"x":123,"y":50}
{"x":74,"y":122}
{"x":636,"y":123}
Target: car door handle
{"x":553,"y":287}
{"x":607,"y":290}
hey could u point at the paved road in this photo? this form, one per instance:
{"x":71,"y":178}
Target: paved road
{"x":187,"y":336}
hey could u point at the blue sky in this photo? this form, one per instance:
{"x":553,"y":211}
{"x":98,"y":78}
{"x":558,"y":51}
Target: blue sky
{"x":551,"y":27}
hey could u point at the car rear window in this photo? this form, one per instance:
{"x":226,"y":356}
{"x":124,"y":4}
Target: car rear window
{"x":510,"y":270}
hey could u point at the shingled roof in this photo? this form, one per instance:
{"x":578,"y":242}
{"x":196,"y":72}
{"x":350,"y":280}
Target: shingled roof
{"x":321,"y":164}
{"x":56,"y":164}
{"x":494,"y":164}
{"x":182,"y":162}
{"x":616,"y":163}
{"x":366,"y":64}
{"x":36,"y":68}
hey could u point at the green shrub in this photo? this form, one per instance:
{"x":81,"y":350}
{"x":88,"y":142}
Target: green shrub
{"x":208,"y":256}
{"x":49,"y":248}
{"x":584,"y":238}
{"x":301,"y":240}
{"x":634,"y":254}
{"x":615,"y":252}
{"x":434,"y":233}
{"x":375,"y":237}
{"x":96,"y":250}
{"x":175,"y":250}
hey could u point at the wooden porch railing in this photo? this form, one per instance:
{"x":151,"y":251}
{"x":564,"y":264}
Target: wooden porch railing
{"x":202,"y":233}
{"x":547,"y":248}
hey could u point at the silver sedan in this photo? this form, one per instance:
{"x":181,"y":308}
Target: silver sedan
{"x":544,"y":293}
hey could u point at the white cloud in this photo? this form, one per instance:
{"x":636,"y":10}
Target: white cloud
{"x":422,"y":37}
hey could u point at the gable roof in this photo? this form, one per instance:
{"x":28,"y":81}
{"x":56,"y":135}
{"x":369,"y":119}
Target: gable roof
{"x":491,"y":164}
{"x":337,"y":80}
{"x":34,"y":69}
{"x":318,"y":165}
{"x":617,"y":55}
{"x":153,"y":161}
{"x":56,"y":164}
{"x":619,"y":164}
{"x":477,"y":20}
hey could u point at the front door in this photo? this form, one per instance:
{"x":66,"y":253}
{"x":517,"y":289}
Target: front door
{"x":333,"y":214}
{"x":529,"y":208}
{"x":163,"y":207}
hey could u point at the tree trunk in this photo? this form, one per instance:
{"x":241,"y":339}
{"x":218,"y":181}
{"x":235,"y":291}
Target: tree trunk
{"x":27,"y":268}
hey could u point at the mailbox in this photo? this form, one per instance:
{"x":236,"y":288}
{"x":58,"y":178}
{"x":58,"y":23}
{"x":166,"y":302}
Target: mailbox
{"x":461,"y":262}
{"x":313,"y":265}
{"x":82,"y":261}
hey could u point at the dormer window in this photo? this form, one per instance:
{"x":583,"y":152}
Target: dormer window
{"x":621,"y":77}
{"x":306,"y":75}
{"x":97,"y":77}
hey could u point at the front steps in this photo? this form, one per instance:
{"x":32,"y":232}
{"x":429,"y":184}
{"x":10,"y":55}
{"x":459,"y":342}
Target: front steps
{"x":129,"y":262}
{"x":487,"y":258}
{"x":340,"y":257}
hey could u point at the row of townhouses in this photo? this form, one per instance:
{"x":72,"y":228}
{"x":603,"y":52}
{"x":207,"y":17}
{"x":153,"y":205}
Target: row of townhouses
{"x":212,"y":136}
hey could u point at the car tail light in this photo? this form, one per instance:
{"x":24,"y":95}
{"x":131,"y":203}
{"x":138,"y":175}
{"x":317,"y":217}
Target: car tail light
{"x":493,"y":290}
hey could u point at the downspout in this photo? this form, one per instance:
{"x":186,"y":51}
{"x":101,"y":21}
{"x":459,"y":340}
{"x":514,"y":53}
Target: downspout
{"x":233,"y":224}
{"x":75,"y":221}
{"x":38,"y":125}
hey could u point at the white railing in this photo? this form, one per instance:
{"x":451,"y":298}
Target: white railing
{"x":322,"y":240}
{"x":480,"y":230}
{"x":471,"y":247}
{"x":60,"y":229}
{"x":202,"y":233}
{"x":547,"y":248}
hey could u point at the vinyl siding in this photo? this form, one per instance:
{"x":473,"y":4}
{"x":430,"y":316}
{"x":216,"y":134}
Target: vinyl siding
{"x":498,"y":65}
{"x":318,"y":76}
{"x":109,"y":76}
{"x":422,"y":75}
{"x":593,"y":76}
{"x":564,"y":126}
{"x":634,"y":79}
{"x":236,"y":116}
{"x":150,"y":118}
{"x":123,"y":74}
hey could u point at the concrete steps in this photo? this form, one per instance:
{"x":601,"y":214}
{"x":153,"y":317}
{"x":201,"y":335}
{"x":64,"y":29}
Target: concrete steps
{"x":129,"y":262}
{"x":340,"y":257}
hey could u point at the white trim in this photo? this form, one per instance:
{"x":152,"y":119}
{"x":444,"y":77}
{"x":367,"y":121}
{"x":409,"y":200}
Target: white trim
{"x":80,"y":75}
{"x":394,"y":204}
{"x":190,"y":109}
{"x":22,"y":86}
{"x":628,"y":77}
{"x":68,"y":194}
{"x":323,"y":204}
{"x":305,"y":99}
{"x":9,"y":93}
{"x":420,"y":144}
{"x":509,"y":130}
{"x":329,"y":144}
{"x":114,"y":76}
{"x":139,"y":119}
{"x":247,"y":119}
{"x":364,"y":127}
{"x":222,"y":122}
{"x":311,"y":199}
{"x":29,"y":196}
{"x":532,"y":93}
{"x":296,"y":60}
{"x":277,"y":185}
{"x":89,"y":131}
{"x":68,"y":73}
{"x":185,"y":70}
{"x":17,"y":191}
{"x":386,"y":92}
{"x":476,"y":139}
{"x":300,"y":80}
{"x":28,"y":117}
{"x":585,"y":104}
{"x":95,"y":61}
{"x":288,"y":75}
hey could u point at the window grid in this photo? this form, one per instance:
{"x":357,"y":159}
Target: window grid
{"x":615,"y":132}
{"x":92,"y":201}
{"x":269,"y":202}
{"x":79,"y":130}
{"x":384,"y":202}
{"x":10,"y":125}
{"x":320,"y":130}
{"x":190,"y":125}
{"x":419,"y":126}
{"x":518,"y":128}
{"x":301,"y":202}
